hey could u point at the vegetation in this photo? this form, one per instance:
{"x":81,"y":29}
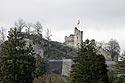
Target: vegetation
{"x":111,"y":48}
{"x":52,"y":49}
{"x":50,"y":78}
{"x":39,"y":66}
{"x":48,"y":34}
{"x":114,"y":49}
{"x":119,"y":70}
{"x":20,"y":24}
{"x":111,"y":76}
{"x":38,"y":28}
{"x":16,"y":59}
{"x":2,"y":35}
{"x":88,"y":66}
{"x":19,"y":63}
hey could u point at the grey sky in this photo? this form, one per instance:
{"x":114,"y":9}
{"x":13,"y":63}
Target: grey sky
{"x":99,"y":19}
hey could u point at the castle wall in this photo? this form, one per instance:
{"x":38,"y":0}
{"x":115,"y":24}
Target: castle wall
{"x":69,"y":41}
{"x":53,"y":66}
{"x":75,"y":39}
{"x":78,"y":37}
{"x":66,"y":67}
{"x":62,"y":67}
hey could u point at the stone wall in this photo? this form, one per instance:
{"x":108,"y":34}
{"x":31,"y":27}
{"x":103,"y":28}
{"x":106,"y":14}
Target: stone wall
{"x":53,"y":66}
{"x":74,"y":40}
{"x":66,"y":67}
{"x":78,"y":37}
{"x":61,"y":67}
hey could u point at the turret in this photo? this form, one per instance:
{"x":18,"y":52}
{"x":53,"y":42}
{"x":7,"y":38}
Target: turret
{"x":74,"y":40}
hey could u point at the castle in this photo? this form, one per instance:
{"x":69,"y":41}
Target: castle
{"x":63,"y":66}
{"x":74,"y":40}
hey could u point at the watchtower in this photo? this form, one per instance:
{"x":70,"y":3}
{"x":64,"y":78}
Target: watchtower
{"x":74,"y":40}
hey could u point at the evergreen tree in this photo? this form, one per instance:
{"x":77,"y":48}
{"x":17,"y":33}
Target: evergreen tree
{"x":16,"y":61}
{"x":111,"y":76}
{"x":119,"y":69}
{"x":88,"y":67}
{"x":120,"y":65}
{"x":39,"y":66}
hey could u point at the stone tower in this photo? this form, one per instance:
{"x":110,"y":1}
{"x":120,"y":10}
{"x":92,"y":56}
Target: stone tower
{"x":74,"y":40}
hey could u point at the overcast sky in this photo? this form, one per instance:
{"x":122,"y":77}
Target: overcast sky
{"x":99,"y":19}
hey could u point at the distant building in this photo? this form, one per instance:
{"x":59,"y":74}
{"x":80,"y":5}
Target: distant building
{"x":74,"y":40}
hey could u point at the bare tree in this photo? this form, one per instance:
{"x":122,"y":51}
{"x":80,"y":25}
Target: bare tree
{"x":28,"y":28}
{"x":113,"y":48}
{"x":100,"y":44}
{"x":38,"y":28}
{"x":122,"y":56}
{"x":48,"y":34}
{"x":2,"y":34}
{"x":20,"y":24}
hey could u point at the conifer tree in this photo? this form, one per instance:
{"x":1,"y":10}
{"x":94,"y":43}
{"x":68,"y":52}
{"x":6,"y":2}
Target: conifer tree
{"x":88,"y":67}
{"x":16,"y":60}
{"x":119,"y":70}
{"x":39,"y":66}
{"x":120,"y":65}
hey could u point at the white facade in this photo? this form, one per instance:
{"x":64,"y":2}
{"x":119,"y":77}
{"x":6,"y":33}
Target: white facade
{"x":66,"y":67}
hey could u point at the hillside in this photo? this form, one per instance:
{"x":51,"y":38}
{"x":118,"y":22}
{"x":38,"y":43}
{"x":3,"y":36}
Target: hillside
{"x":51,"y":49}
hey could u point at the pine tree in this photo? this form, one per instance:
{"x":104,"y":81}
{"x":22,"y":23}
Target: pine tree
{"x":39,"y":66}
{"x":119,"y":69}
{"x":16,"y":61}
{"x":88,"y":67}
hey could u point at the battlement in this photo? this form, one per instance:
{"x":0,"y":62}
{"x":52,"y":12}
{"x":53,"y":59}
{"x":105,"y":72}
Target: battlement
{"x":74,"y":40}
